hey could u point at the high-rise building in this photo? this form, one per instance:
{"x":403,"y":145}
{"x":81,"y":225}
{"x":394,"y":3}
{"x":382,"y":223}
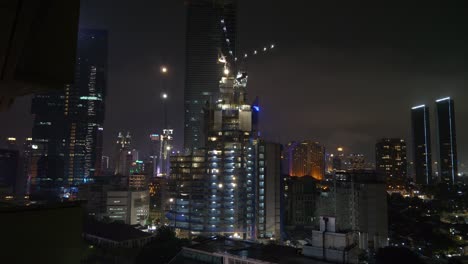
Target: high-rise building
{"x":231,"y":158}
{"x":421,"y":134}
{"x":447,"y":140}
{"x":84,"y":106}
{"x":356,"y":161}
{"x":211,"y":29}
{"x":123,"y":155}
{"x":165,"y":148}
{"x":269,"y":203}
{"x":67,"y":130}
{"x":390,"y":158}
{"x":301,"y":193}
{"x":358,"y":201}
{"x":9,"y":170}
{"x":138,"y":182}
{"x":307,"y":158}
{"x":47,"y":163}
{"x":185,"y":198}
{"x":225,"y":202}
{"x":154,"y":153}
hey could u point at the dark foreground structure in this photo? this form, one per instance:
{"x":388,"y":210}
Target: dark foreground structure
{"x":42,"y":233}
{"x":218,"y":250}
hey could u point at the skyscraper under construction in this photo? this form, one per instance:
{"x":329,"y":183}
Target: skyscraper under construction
{"x":211,"y":30}
{"x":221,"y":198}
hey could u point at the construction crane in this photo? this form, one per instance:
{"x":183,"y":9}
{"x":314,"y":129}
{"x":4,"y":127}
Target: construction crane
{"x":230,"y":59}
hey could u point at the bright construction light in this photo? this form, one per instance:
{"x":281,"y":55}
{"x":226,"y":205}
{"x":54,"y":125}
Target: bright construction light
{"x":171,"y":200}
{"x":226,"y":71}
{"x":255,"y":52}
{"x":222,"y":59}
{"x":442,"y":99}
{"x":163,"y":69}
{"x":272,"y":46}
{"x":418,"y":106}
{"x":264,"y":49}
{"x":164,"y":95}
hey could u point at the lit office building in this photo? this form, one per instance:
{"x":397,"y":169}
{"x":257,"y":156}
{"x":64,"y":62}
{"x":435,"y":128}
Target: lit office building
{"x":356,"y":162}
{"x":421,"y":133}
{"x":123,"y":154}
{"x":307,"y":158}
{"x":130,"y":207}
{"x":447,"y":140}
{"x":390,"y":158}
{"x":138,"y":182}
{"x":185,"y":199}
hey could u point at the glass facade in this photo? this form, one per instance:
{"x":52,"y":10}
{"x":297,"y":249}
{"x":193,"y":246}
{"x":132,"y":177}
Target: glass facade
{"x":211,"y":29}
{"x":85,"y":106}
{"x":447,"y":140}
{"x":421,"y":144}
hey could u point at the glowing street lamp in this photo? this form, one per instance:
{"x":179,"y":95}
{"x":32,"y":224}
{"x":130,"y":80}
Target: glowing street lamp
{"x":164,"y":69}
{"x":164,"y":96}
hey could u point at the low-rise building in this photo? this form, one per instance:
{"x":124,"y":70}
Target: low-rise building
{"x":115,"y":235}
{"x":129,"y":207}
{"x":329,"y":245}
{"x":225,"y":250}
{"x":358,"y":202}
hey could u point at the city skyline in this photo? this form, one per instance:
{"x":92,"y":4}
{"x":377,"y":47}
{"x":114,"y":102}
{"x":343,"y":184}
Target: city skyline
{"x":338,"y":117}
{"x":234,"y":131}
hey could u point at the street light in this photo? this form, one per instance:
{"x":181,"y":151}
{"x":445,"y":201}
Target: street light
{"x":164,"y":69}
{"x":164,"y":95}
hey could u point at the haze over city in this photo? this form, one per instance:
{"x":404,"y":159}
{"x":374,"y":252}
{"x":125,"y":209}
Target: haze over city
{"x":353,"y":71}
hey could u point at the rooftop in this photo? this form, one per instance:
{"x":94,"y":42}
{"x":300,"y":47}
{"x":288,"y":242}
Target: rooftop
{"x":249,"y":250}
{"x":113,"y":231}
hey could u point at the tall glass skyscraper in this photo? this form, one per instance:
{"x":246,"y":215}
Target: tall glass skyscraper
{"x":447,"y":140}
{"x":211,"y":30}
{"x":421,"y":133}
{"x":84,"y":106}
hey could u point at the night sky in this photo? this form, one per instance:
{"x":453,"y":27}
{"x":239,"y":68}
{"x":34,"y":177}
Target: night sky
{"x":341,"y":75}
